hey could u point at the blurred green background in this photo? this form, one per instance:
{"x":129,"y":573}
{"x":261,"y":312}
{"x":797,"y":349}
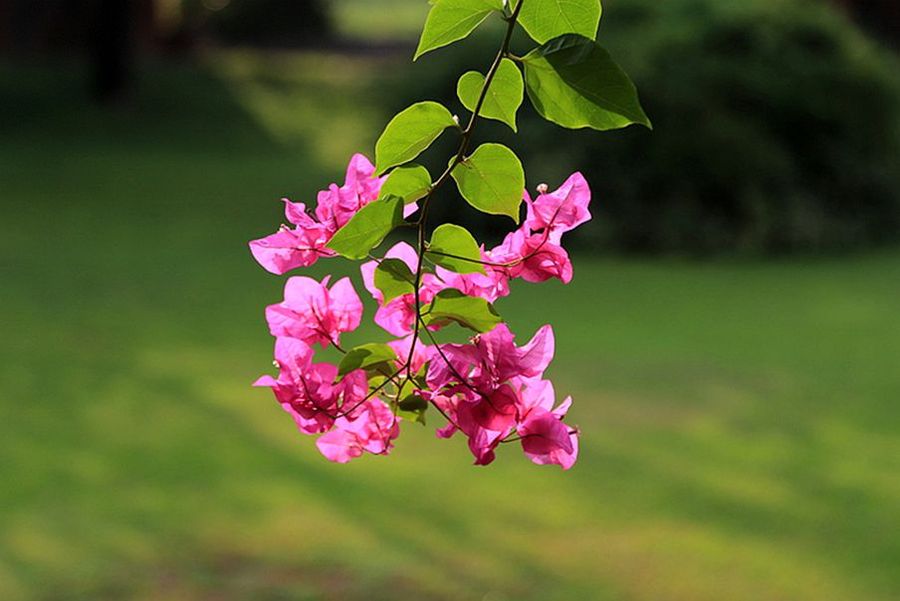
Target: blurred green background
{"x":738,"y":393}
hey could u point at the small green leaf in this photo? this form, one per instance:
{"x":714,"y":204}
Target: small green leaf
{"x":573,"y":82}
{"x":368,"y":228}
{"x":452,"y":20}
{"x":394,"y":278}
{"x":503,"y":98}
{"x":492,"y":180}
{"x":449,"y":239}
{"x":547,"y":19}
{"x":366,"y":356}
{"x":376,"y":380}
{"x":410,"y":182}
{"x":413,"y":403}
{"x":468,"y":311}
{"x":409,"y":133}
{"x":413,"y":408}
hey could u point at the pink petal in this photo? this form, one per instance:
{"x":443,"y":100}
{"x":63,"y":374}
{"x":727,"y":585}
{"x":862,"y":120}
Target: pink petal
{"x":339,"y":446}
{"x":536,"y":355}
{"x":283,"y":251}
{"x":345,"y":305}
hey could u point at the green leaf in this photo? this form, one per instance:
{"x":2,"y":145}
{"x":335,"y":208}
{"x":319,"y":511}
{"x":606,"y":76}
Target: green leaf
{"x":452,"y":20}
{"x":366,"y":356}
{"x":409,"y":133}
{"x":455,"y":240}
{"x":573,"y":82}
{"x":492,"y":180}
{"x":503,"y":98}
{"x":547,"y":19}
{"x":468,"y":311}
{"x":394,"y":278}
{"x":410,"y":183}
{"x":368,"y":228}
{"x":413,"y":408}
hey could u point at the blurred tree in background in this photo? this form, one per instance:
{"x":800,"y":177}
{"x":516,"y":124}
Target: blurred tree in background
{"x":777,"y":121}
{"x":281,"y":23}
{"x":777,"y":129}
{"x":881,"y":16}
{"x":114,"y":32}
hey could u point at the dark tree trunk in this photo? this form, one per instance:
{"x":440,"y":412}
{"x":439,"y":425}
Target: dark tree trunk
{"x":113,"y":49}
{"x":880,"y":16}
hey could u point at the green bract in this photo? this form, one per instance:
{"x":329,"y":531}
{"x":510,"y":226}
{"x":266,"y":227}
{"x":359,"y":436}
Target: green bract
{"x":365,"y":356}
{"x":368,"y":228}
{"x":454,"y":248}
{"x":410,"y":182}
{"x":394,"y":278}
{"x":468,"y":311}
{"x":492,"y":180}
{"x":409,"y":133}
{"x":503,"y":97}
{"x":547,"y":19}
{"x":574,"y":82}
{"x":452,"y":20}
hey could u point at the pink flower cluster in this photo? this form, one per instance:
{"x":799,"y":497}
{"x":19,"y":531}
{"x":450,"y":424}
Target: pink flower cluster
{"x":302,"y":246}
{"x":353,"y":421}
{"x":489,"y":389}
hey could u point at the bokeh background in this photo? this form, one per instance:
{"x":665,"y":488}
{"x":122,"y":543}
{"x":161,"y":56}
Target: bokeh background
{"x":731,"y":338}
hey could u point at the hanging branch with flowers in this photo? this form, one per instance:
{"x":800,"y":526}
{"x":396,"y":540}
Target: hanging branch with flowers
{"x":490,"y":390}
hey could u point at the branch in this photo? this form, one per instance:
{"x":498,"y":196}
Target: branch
{"x":465,"y":140}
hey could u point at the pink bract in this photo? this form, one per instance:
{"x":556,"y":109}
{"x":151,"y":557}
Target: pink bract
{"x":289,"y":249}
{"x":371,"y":428}
{"x":398,"y":315}
{"x":313,"y":313}
{"x":308,"y":391}
{"x":562,"y":210}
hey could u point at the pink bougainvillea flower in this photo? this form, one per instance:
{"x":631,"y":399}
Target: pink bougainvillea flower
{"x":490,"y":285}
{"x":302,"y":246}
{"x":545,"y":437}
{"x":308,"y":391}
{"x":533,"y":257}
{"x":312,"y":312}
{"x":479,"y":385}
{"x":421,"y":353}
{"x":492,"y":359}
{"x":561,"y":210}
{"x":289,"y":249}
{"x":370,"y":428}
{"x":398,"y":315}
{"x":338,"y":204}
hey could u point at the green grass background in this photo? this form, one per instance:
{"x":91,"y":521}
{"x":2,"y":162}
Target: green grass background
{"x":741,"y":425}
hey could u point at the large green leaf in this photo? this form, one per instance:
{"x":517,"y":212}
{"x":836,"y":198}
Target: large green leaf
{"x":468,"y":311}
{"x":574,"y":82}
{"x":492,"y":180}
{"x":449,"y":239}
{"x":547,"y":19}
{"x":366,"y":356}
{"x":367,"y":228}
{"x":409,"y":133}
{"x":394,"y":278}
{"x":503,"y":98}
{"x":410,"y":182}
{"x":452,"y":20}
